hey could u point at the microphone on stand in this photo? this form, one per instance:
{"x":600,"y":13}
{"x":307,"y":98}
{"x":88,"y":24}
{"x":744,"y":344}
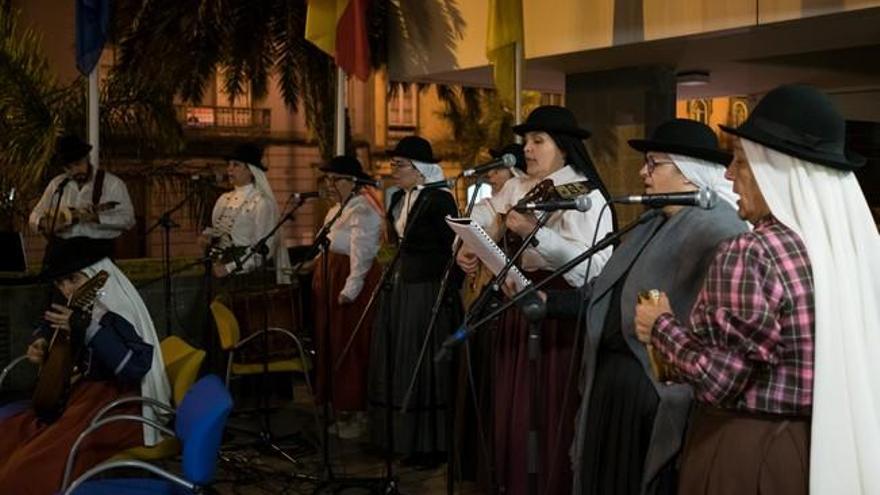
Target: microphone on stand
{"x":580,"y":203}
{"x":705,"y":198}
{"x":440,"y":184}
{"x":306,"y":195}
{"x":507,"y":160}
{"x":365,"y":182}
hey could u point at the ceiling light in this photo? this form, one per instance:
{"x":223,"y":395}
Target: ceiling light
{"x":692,"y":78}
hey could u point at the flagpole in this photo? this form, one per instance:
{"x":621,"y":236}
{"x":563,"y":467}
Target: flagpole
{"x":518,"y":79}
{"x":94,"y":118}
{"x":340,"y":111}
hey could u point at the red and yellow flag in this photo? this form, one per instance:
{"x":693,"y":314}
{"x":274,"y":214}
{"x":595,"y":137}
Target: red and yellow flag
{"x":505,"y":31}
{"x":339,"y":28}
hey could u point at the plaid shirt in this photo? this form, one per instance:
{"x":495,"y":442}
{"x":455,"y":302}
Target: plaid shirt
{"x":750,"y":342}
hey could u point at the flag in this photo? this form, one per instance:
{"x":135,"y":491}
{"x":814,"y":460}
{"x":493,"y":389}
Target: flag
{"x":339,"y":28}
{"x":504,"y":32}
{"x":92,"y":19}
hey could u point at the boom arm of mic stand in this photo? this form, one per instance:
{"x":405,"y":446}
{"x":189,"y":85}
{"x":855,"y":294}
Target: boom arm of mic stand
{"x":260,"y":247}
{"x":467,"y":330}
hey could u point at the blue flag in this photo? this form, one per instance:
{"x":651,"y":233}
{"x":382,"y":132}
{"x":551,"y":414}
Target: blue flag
{"x":92,"y":20}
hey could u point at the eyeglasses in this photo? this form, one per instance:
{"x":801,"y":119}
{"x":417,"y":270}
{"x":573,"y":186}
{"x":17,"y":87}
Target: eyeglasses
{"x":400,"y":164}
{"x":651,"y":163}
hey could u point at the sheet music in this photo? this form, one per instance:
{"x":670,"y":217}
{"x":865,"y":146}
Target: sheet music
{"x":477,"y":240}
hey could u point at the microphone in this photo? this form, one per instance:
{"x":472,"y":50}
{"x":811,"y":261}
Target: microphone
{"x":506,"y":160}
{"x":440,"y":184}
{"x":705,"y":198}
{"x":365,"y":182}
{"x":306,"y":195}
{"x":580,"y":203}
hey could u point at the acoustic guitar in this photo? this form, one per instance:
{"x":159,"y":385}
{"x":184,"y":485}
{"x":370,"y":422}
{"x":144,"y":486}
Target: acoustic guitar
{"x":67,"y":216}
{"x":54,"y":378}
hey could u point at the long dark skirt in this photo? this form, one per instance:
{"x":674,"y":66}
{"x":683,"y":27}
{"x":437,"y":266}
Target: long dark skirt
{"x":350,"y":380}
{"x":33,"y":454}
{"x":621,"y":413}
{"x":404,"y":314}
{"x":727,"y":453}
{"x":512,"y":401}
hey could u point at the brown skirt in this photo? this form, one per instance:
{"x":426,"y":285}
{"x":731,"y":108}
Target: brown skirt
{"x":741,"y":454}
{"x":33,"y":454}
{"x":558,"y":397}
{"x":350,"y":380}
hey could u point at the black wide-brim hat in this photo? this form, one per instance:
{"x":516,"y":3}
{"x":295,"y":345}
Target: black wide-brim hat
{"x":515,"y":149}
{"x":345,"y":165}
{"x":414,"y":148}
{"x":69,"y":149}
{"x":552,"y":119}
{"x":66,"y":256}
{"x":800,"y":121}
{"x":248,"y":153}
{"x":684,"y":137}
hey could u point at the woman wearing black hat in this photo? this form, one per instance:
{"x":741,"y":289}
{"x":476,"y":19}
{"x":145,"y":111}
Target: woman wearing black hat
{"x":243,"y":216}
{"x":780,"y":346}
{"x":554,"y":150}
{"x":630,"y":424}
{"x":119,"y":357}
{"x":352,"y":274}
{"x":418,"y":216}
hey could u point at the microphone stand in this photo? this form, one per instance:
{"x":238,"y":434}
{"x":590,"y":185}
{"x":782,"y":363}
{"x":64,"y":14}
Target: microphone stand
{"x":167,"y":224}
{"x":265,"y":436}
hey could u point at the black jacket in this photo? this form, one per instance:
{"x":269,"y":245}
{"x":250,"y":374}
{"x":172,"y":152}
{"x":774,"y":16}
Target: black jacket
{"x":428,"y":247}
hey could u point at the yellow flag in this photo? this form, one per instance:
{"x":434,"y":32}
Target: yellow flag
{"x":505,"y":30}
{"x":322,"y":16}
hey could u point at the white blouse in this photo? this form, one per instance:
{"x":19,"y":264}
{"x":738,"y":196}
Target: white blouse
{"x":356,"y":234}
{"x":111,"y":223}
{"x":244,"y":214}
{"x":566,"y":234}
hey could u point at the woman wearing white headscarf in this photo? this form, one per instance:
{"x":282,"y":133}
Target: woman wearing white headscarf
{"x":115,"y":354}
{"x":245,"y":215}
{"x":417,"y":220}
{"x":630,"y":424}
{"x":781,"y":345}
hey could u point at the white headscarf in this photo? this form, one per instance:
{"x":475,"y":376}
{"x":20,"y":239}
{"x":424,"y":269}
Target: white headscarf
{"x":706,"y":174}
{"x":432,"y":173}
{"x":121,"y":297}
{"x":827,"y":209}
{"x":277,"y":249}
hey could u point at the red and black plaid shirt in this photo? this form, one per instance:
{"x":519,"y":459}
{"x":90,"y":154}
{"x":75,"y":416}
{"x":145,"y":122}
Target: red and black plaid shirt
{"x":749,"y":345}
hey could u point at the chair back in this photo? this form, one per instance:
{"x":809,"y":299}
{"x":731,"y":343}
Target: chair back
{"x":182,"y":364}
{"x":227,"y":325}
{"x":201,"y":419}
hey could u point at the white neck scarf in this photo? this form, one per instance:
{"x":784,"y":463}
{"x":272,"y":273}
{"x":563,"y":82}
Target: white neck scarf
{"x":827,"y":209}
{"x":121,"y":297}
{"x":277,"y":249}
{"x":706,"y":174}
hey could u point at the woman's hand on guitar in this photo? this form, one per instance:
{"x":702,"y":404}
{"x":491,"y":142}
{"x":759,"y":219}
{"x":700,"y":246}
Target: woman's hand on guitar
{"x":58,"y":317}
{"x":467,"y":260}
{"x":37,"y":351}
{"x":519,"y":223}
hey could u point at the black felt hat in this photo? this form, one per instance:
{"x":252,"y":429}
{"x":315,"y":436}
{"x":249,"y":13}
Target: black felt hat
{"x":345,"y":165}
{"x":69,"y":149}
{"x":248,"y":153}
{"x":800,"y":121}
{"x":684,"y":137}
{"x":66,"y":256}
{"x":552,"y":119}
{"x":414,"y":148}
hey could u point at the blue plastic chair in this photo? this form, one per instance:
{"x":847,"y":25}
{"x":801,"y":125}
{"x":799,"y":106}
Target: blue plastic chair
{"x":199,"y":426}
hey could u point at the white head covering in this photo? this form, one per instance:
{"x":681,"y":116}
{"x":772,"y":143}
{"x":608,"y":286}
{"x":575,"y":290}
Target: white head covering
{"x":277,"y":249}
{"x":121,"y":297}
{"x":706,"y":174}
{"x":432,"y":173}
{"x":827,"y":209}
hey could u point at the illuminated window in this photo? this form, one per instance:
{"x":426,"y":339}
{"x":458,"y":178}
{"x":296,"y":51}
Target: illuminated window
{"x":403,"y":105}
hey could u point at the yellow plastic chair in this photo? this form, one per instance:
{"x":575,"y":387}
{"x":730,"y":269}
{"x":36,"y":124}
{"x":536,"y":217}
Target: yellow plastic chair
{"x":231,"y":341}
{"x":182,"y":364}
